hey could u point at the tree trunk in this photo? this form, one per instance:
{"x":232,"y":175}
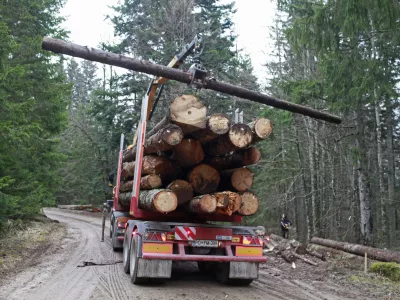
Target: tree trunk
{"x":217,"y":124}
{"x":249,"y":205}
{"x":163,"y":140}
{"x":373,"y":253}
{"x":237,"y":179}
{"x":262,"y":128}
{"x":321,"y":256}
{"x":204,"y":179}
{"x":152,"y":164}
{"x":227,"y":202}
{"x":147,"y":182}
{"x":159,"y":200}
{"x":237,"y":159}
{"x":239,"y":136}
{"x":59,"y":46}
{"x":188,"y":153}
{"x":310,"y":262}
{"x":182,"y":189}
{"x":205,"y":204}
{"x":289,"y":256}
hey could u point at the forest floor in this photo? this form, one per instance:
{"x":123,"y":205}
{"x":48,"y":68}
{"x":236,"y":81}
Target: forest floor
{"x":41,"y":263}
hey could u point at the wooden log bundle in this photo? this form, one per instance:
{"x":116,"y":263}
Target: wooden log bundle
{"x":200,"y":161}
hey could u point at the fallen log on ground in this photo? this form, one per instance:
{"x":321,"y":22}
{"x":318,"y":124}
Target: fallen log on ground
{"x":158,"y":200}
{"x":147,"y":182}
{"x":235,"y":160}
{"x":373,"y":253}
{"x":217,"y":124}
{"x":321,"y":256}
{"x":310,"y":262}
{"x":239,"y":136}
{"x":205,"y":204}
{"x":288,"y":256}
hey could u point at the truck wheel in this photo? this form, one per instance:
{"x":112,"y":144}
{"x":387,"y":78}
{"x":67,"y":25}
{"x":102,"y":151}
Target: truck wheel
{"x":126,"y":255}
{"x":111,"y":230}
{"x":134,"y":260}
{"x":223,"y":276}
{"x":114,"y":239}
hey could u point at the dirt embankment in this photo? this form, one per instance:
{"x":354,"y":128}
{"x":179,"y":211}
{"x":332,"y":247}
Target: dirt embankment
{"x":23,"y":247}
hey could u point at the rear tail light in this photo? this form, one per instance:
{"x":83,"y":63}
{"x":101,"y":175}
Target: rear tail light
{"x":252,"y":240}
{"x":155,"y":236}
{"x":121,"y":225}
{"x":246,"y":240}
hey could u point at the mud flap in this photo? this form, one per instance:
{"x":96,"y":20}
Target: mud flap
{"x":243,"y":270}
{"x":152,"y":268}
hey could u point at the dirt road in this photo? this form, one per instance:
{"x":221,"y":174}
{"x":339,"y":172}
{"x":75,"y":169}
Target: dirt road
{"x":57,"y":276}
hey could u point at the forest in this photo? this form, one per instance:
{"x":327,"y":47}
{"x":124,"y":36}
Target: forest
{"x":61,"y":119}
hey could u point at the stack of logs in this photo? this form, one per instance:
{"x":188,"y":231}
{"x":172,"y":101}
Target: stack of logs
{"x":196,"y":163}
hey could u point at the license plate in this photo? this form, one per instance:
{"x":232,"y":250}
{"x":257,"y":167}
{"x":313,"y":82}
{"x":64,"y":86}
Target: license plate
{"x":210,"y":244}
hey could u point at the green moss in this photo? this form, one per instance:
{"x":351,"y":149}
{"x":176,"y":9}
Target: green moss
{"x":390,"y":270}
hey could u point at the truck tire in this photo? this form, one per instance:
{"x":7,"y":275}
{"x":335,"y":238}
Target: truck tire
{"x":114,"y":239}
{"x":222,"y":274}
{"x":134,"y":259}
{"x":126,"y":255}
{"x":111,"y":230}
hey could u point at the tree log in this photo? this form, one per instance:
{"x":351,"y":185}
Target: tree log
{"x":59,"y":46}
{"x":205,"y":204}
{"x":249,"y":205}
{"x":288,"y":256}
{"x":239,"y":136}
{"x":158,"y":200}
{"x":321,"y":256}
{"x":262,"y":128}
{"x":163,"y":140}
{"x":373,"y":253}
{"x":237,"y":159}
{"x":147,"y":182}
{"x":217,"y":124}
{"x":204,"y":179}
{"x":310,"y":262}
{"x":300,"y":249}
{"x":182,"y":189}
{"x":227,"y":202}
{"x":237,"y":179}
{"x":188,"y":153}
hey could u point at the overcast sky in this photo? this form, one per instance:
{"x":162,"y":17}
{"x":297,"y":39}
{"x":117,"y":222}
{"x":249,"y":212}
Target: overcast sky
{"x":88,"y":27}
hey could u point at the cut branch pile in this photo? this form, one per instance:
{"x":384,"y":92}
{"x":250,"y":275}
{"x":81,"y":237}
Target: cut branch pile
{"x":196,"y":162}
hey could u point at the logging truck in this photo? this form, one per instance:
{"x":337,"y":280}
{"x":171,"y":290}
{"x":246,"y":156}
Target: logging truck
{"x":181,"y":193}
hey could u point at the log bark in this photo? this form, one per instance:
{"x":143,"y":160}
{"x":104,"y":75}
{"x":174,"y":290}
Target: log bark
{"x":373,"y":253}
{"x":216,"y":125}
{"x":158,"y":200}
{"x":310,"y":262}
{"x":205,"y":204}
{"x":147,"y":182}
{"x":204,"y":179}
{"x":152,"y":164}
{"x":288,"y":256}
{"x":262,"y":128}
{"x":321,"y":256}
{"x":237,"y":179}
{"x":249,"y":205}
{"x":164,"y":139}
{"x":239,"y":136}
{"x":227,"y":202}
{"x":59,"y":46}
{"x":188,"y":153}
{"x":182,"y":189}
{"x":301,"y":250}
{"x":235,"y":160}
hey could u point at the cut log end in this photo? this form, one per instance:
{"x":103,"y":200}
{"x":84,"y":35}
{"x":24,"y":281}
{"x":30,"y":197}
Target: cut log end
{"x":228,"y":202}
{"x":249,"y":205}
{"x":242,"y":179}
{"x":205,"y":204}
{"x":182,"y":189}
{"x":218,"y":124}
{"x":240,"y":135}
{"x":262,"y":128}
{"x":165,"y":201}
{"x":204,"y":179}
{"x":188,"y":153}
{"x":189,"y":113}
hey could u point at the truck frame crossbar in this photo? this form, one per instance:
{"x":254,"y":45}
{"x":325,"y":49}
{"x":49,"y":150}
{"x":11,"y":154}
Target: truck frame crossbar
{"x":213,"y":258}
{"x":62,"y":47}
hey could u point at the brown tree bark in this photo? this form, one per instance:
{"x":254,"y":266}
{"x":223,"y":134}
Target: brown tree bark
{"x":227,"y":202}
{"x":239,"y":136}
{"x":147,"y":182}
{"x":237,"y":159}
{"x":163,"y":140}
{"x":217,"y":124}
{"x":262,"y":128}
{"x":182,"y":189}
{"x":237,"y":179}
{"x":289,"y":256}
{"x":373,"y":253}
{"x":321,"y":256}
{"x":205,"y":204}
{"x":249,"y":205}
{"x":158,"y":200}
{"x":188,"y":153}
{"x":204,"y":179}
{"x":310,"y":262}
